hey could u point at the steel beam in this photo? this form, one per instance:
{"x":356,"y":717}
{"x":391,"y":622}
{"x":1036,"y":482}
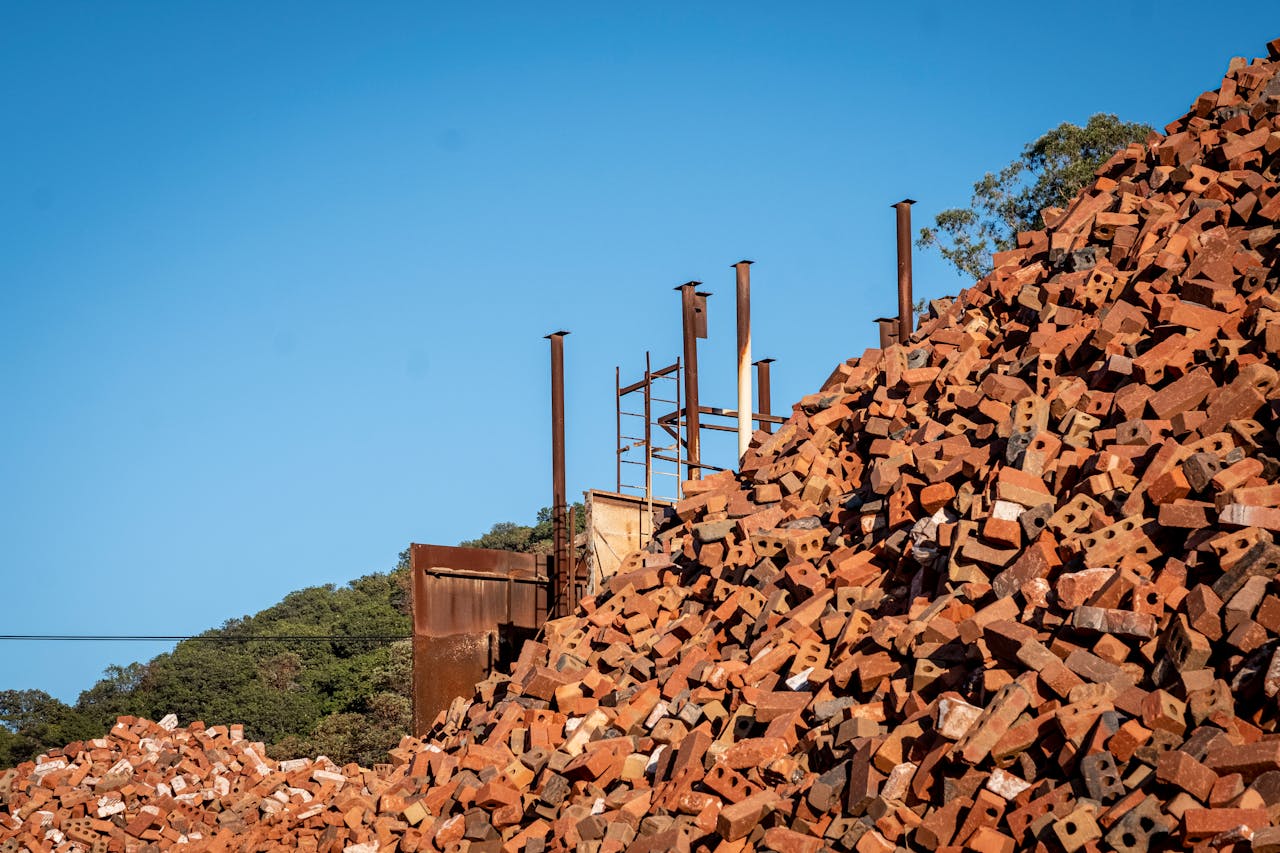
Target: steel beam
{"x":743,"y":269}
{"x":559,"y":504}
{"x":762,"y":390}
{"x":689,"y":323}
{"x":906,"y":313}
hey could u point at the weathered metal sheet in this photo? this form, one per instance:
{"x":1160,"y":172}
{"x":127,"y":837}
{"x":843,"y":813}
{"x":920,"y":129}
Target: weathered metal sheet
{"x":617,"y":525}
{"x":462,"y":590}
{"x":445,"y":668}
{"x":469,"y":606}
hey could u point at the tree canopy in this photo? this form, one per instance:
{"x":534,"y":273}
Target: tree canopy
{"x":1048,"y":173}
{"x":506,"y":536}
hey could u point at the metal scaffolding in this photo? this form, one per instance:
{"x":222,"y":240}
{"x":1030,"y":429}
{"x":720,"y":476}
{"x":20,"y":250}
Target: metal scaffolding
{"x":662,"y":387}
{"x":641,"y":408}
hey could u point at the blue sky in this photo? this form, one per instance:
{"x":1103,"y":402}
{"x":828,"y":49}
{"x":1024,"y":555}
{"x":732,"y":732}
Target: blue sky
{"x":274,"y":277}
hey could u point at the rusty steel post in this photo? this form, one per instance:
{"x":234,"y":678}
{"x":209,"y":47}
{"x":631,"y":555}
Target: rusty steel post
{"x":559,"y":507}
{"x":906,"y":314}
{"x":743,"y":269}
{"x":693,"y":424}
{"x":570,"y":574}
{"x":762,"y":384}
{"x":888,"y":328}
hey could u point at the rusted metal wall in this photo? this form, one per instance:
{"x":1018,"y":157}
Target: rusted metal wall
{"x":469,"y":606}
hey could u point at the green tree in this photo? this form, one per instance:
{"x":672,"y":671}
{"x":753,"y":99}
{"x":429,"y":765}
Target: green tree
{"x":508,"y":536}
{"x":371,"y":724}
{"x":115,"y":694}
{"x":542,"y":538}
{"x":503,"y":536}
{"x":364,"y":735}
{"x":32,"y":721}
{"x":1048,"y":173}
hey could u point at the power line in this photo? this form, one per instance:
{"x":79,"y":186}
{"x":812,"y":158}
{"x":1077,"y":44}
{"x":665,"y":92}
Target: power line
{"x":224,"y":638}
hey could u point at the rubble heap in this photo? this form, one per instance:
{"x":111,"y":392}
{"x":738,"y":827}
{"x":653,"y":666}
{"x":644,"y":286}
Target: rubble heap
{"x":1011,"y":585}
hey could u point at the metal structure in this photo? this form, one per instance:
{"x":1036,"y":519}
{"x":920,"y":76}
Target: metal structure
{"x":888,"y":331}
{"x":684,"y":424}
{"x":743,"y":288}
{"x":566,"y":586}
{"x":693,"y":325}
{"x":906,"y":310}
{"x":898,"y":329}
{"x":762,"y":392}
{"x":472,"y":610}
{"x":671,"y":458}
{"x":642,"y":446}
{"x":559,"y":503}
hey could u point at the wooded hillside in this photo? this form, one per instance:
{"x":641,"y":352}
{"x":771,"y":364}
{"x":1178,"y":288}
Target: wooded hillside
{"x":338,"y":695}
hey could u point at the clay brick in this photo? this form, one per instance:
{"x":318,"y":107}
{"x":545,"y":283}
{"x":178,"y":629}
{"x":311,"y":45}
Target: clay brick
{"x":1021,"y":488}
{"x":1183,"y":394}
{"x":1266,"y":840}
{"x":1242,"y":515}
{"x":1249,"y":760}
{"x":1238,"y":401}
{"x":994,"y":722}
{"x":1206,"y":823}
{"x":1188,"y":515}
{"x":788,"y":841}
{"x":1169,"y":487}
{"x":737,"y":820}
{"x":936,"y":496}
{"x":1124,"y":623}
{"x":1076,"y":830}
{"x":1180,"y":769}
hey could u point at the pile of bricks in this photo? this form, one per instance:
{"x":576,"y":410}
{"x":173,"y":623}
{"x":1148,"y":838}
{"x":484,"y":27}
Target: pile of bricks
{"x":149,"y":786}
{"x":1009,"y":586}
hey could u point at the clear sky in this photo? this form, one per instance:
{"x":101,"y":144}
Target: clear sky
{"x":274,"y":276}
